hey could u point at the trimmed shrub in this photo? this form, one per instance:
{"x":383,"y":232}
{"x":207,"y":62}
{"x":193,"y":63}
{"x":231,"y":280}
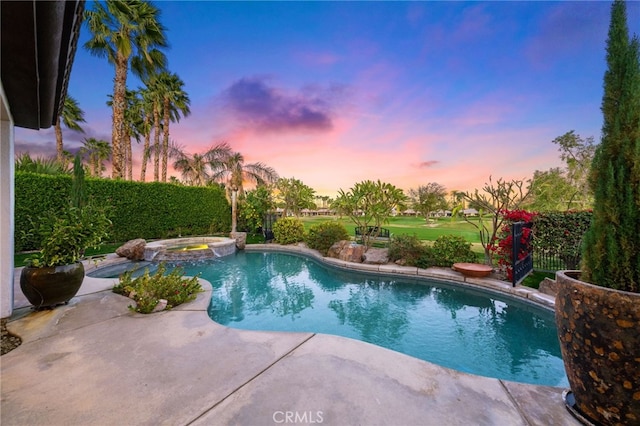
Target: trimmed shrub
{"x":450,"y":249}
{"x":288,"y":230}
{"x":323,"y":235}
{"x":137,"y":209}
{"x":411,"y":250}
{"x":560,"y":235}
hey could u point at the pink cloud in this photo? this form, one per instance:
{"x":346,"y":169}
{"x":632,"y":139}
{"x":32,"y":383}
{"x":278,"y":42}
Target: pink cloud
{"x":428,"y":164}
{"x":255,"y":103}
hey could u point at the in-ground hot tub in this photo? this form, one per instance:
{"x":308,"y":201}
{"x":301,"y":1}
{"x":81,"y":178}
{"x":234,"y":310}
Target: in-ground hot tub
{"x":196,"y":248}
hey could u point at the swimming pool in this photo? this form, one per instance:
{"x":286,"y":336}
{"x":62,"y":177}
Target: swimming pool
{"x":453,"y":326}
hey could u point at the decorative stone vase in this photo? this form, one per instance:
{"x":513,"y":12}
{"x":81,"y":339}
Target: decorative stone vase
{"x":599,"y":332}
{"x":51,"y":286}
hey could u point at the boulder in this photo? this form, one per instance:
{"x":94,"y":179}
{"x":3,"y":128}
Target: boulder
{"x":347,"y":251}
{"x":336,"y":248}
{"x":376,"y":256}
{"x":241,"y":239}
{"x":548,"y":286}
{"x":133,"y":249}
{"x":161,"y":306}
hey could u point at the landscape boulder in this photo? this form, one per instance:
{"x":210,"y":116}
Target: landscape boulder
{"x":347,"y":251}
{"x":548,"y":286}
{"x":241,"y":239}
{"x":376,"y":256}
{"x":133,"y":249}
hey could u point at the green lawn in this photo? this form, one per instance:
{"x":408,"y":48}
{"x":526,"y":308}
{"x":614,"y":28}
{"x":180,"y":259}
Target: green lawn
{"x":411,"y":225}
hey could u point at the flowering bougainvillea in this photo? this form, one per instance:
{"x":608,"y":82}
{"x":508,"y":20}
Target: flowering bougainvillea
{"x":502,"y":245}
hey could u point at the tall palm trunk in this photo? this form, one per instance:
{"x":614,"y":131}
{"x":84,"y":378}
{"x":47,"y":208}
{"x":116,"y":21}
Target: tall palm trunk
{"x":59,"y":147}
{"x":156,"y":143}
{"x":128,"y":163}
{"x":119,"y":88}
{"x":145,"y":152}
{"x":165,"y":141}
{"x":234,"y":209}
{"x":95,"y":161}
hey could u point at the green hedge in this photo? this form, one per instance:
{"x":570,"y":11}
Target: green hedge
{"x":559,"y":235}
{"x":137,"y":210}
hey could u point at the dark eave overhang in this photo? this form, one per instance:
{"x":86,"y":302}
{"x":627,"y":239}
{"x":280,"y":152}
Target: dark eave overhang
{"x":39,"y":40}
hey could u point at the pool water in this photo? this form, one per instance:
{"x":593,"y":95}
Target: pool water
{"x":460,"y":328}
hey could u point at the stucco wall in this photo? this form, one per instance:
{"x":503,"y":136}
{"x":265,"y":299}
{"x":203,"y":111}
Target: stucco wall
{"x":6,"y":208}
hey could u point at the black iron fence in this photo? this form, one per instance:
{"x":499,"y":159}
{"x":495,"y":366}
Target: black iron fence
{"x":555,"y":260}
{"x":522,"y":251}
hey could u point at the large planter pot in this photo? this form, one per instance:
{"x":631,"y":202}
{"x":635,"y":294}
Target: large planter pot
{"x":599,"y":332}
{"x":51,"y":286}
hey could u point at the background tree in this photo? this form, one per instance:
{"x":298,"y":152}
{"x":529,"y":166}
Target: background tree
{"x":612,"y":244}
{"x":229,"y":168}
{"x":550,"y":191}
{"x":428,"y":198}
{"x":147,"y":106}
{"x":293,"y":196}
{"x":577,"y":153}
{"x":155,"y":97}
{"x":494,"y":199}
{"x":133,"y":127}
{"x":175,"y":101}
{"x":257,"y":203}
{"x":194,"y":168}
{"x":368,"y":204}
{"x":323,"y":201}
{"x":70,"y":115}
{"x":126,"y":33}
{"x":97,"y":152}
{"x":41,"y":165}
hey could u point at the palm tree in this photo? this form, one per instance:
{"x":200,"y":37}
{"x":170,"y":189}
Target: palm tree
{"x":229,"y":167}
{"x":147,"y":106}
{"x":174,"y":101}
{"x":194,"y":168}
{"x":70,"y":115}
{"x":132,"y":126}
{"x":97,"y":151}
{"x":40,"y":165}
{"x":155,"y":98}
{"x":126,"y":33}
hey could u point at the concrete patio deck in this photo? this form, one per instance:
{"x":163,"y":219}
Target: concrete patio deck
{"x":95,"y":362}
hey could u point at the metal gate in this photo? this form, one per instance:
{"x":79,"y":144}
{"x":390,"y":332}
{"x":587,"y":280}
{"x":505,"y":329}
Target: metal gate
{"x":522,"y":251}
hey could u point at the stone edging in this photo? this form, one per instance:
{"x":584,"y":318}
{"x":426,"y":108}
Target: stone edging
{"x":527,"y":294}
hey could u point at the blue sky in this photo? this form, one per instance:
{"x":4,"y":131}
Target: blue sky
{"x":333,"y":93}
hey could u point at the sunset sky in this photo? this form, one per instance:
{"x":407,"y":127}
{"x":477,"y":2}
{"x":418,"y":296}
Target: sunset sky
{"x":333,"y":93}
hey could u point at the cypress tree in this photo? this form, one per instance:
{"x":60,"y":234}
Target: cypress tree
{"x":77,"y":184}
{"x":611,"y":255}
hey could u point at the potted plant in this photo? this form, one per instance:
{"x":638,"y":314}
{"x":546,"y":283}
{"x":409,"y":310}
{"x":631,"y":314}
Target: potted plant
{"x":598,"y":308}
{"x":55,"y":274}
